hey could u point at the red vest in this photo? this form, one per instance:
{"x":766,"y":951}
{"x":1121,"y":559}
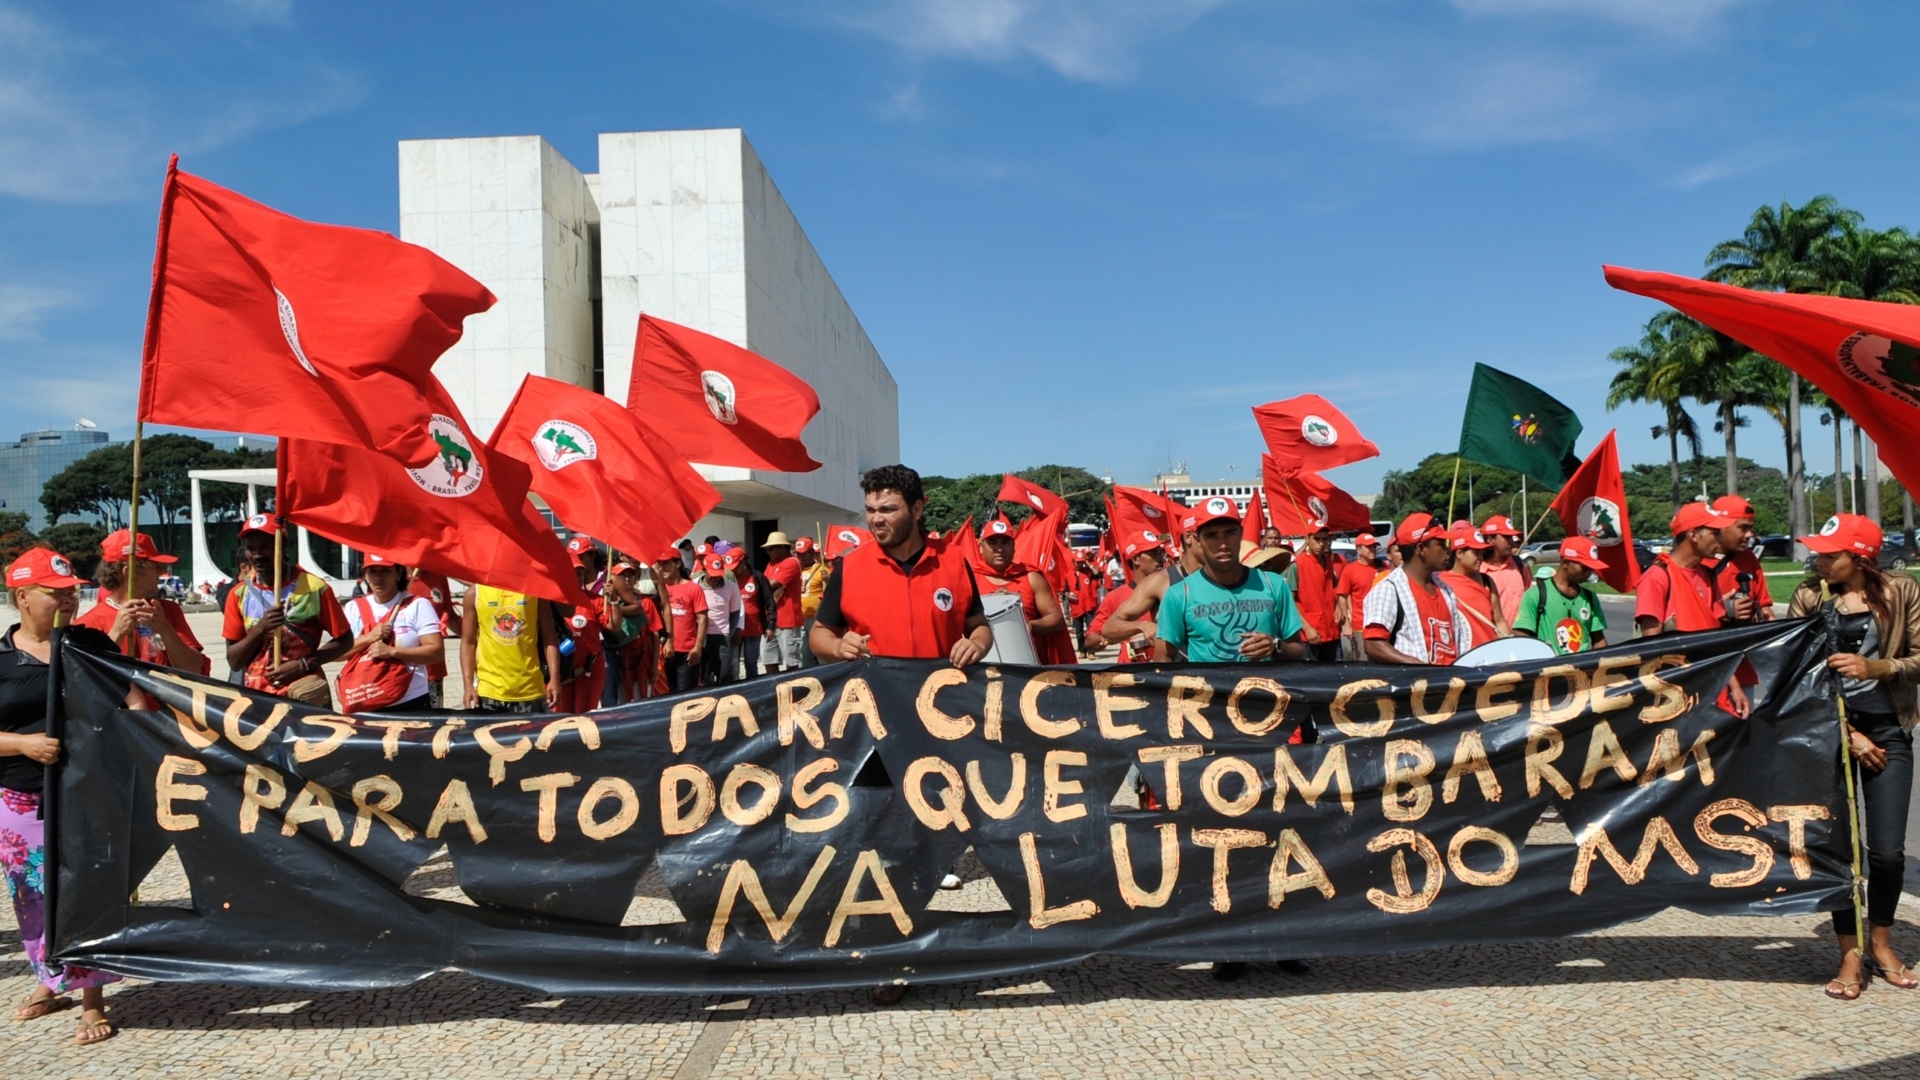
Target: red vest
{"x":918,"y":616}
{"x":1686,"y":608}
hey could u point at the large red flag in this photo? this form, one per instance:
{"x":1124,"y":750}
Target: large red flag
{"x":1302,"y":502}
{"x":601,"y":468}
{"x":465,"y":514}
{"x":1309,"y":428}
{"x":1254,"y":521}
{"x":719,"y":403}
{"x":265,"y":323}
{"x":1863,"y":353}
{"x":1593,"y":502}
{"x":1137,"y":511}
{"x":1033,"y":496}
{"x":1038,"y":545}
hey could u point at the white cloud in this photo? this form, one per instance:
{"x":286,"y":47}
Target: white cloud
{"x":1085,"y":40}
{"x":1679,"y":17}
{"x":21,"y":307}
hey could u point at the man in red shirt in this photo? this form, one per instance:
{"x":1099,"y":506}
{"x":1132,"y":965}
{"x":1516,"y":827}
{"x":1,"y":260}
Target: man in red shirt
{"x":1350,"y":593}
{"x":581,"y":692}
{"x":1144,"y":557}
{"x":686,"y":604}
{"x":1502,"y":566}
{"x":145,"y":625}
{"x":1737,"y":558}
{"x":1313,"y":594}
{"x":1678,"y":594}
{"x":784,"y":574}
{"x":1411,"y":616}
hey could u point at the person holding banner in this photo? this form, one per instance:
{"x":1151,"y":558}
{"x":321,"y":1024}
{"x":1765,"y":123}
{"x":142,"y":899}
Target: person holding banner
{"x":998,"y":572}
{"x":45,"y":593}
{"x":1411,"y":615}
{"x":392,"y":624}
{"x":1875,"y":624}
{"x":146,"y":625}
{"x":1144,"y":558}
{"x":1474,"y":592}
{"x":506,"y":639}
{"x":1228,"y":612}
{"x":1137,"y":614}
{"x":305,"y":609}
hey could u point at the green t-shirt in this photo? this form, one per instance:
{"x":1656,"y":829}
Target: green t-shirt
{"x":1569,"y":624}
{"x":1207,"y":621}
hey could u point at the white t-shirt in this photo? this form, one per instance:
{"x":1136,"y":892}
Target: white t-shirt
{"x":417,"y":618}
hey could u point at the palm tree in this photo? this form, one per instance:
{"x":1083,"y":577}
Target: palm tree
{"x":1867,"y":264}
{"x":1657,"y":372}
{"x":1720,"y":372}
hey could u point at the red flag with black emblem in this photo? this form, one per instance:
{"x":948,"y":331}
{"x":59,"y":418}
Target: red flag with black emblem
{"x":261,"y":322}
{"x":1310,"y":429}
{"x":1863,"y":353}
{"x":717,"y":403}
{"x":1302,"y":502}
{"x":589,"y":457}
{"x":1593,"y":503}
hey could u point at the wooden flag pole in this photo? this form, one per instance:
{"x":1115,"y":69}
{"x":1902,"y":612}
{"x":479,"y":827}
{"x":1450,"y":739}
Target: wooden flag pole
{"x":133,"y":511}
{"x":279,"y":537}
{"x":1454,"y":490}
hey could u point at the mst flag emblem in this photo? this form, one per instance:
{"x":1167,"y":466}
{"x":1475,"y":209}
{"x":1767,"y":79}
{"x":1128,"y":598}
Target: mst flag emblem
{"x":454,"y":473}
{"x":721,"y":397}
{"x":290,"y":326}
{"x":1891,"y":367}
{"x":1600,"y":519}
{"x":1318,"y":432}
{"x":561,"y":443}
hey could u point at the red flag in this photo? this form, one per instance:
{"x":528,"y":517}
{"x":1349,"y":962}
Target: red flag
{"x":261,"y":322}
{"x":465,"y":514}
{"x":1038,"y":545}
{"x":1302,"y":502}
{"x":1033,"y":496}
{"x":601,"y":468}
{"x":718,"y":403}
{"x":1593,"y":503}
{"x":1309,"y":428}
{"x":1137,"y":511}
{"x":1254,"y":521}
{"x":1863,"y":353}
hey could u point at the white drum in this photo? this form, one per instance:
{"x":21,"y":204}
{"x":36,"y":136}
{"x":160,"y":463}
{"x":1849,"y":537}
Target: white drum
{"x":1012,"y":643}
{"x":1507,"y":650}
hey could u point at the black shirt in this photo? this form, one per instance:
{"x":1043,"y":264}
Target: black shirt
{"x":828,"y":613}
{"x":23,"y":701}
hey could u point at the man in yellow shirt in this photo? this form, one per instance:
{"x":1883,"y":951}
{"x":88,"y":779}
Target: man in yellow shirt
{"x":504,"y":639}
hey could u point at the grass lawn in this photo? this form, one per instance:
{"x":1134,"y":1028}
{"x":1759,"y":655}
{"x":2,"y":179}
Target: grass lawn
{"x":1782,"y":576}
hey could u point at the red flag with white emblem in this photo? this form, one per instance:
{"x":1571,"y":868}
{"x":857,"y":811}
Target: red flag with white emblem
{"x":1593,"y":503}
{"x":1033,"y":497}
{"x":717,"y":403}
{"x":1302,"y":502}
{"x":1310,"y":429}
{"x":1137,"y":511}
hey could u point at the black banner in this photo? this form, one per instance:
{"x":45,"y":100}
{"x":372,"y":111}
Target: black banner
{"x":802,"y":824}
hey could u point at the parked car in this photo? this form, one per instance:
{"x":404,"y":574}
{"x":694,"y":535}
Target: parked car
{"x":1775,"y":546}
{"x":1895,"y":554}
{"x":1540,"y":553}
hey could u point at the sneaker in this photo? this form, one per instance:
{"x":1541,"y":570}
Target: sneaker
{"x":950,"y":882}
{"x":1228,"y":970}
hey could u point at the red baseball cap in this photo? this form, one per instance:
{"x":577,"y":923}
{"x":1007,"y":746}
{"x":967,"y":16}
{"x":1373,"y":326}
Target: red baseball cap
{"x":1464,"y":535}
{"x":1210,"y":510}
{"x":998,"y":526}
{"x":703,"y":551}
{"x":1366,"y":540}
{"x":803,"y":545}
{"x":114,"y":549}
{"x":668,"y":554}
{"x":1582,"y":550}
{"x":42,"y":566}
{"x":1499,"y":525}
{"x":579,"y":544}
{"x":1735,"y":507}
{"x":1697,"y":515}
{"x":1850,"y":533}
{"x":732,"y":558}
{"x":1417,"y":528}
{"x":1141,"y":541}
{"x":621,"y":568}
{"x":377,"y":559}
{"x":260,"y":523}
{"x":714,"y":564}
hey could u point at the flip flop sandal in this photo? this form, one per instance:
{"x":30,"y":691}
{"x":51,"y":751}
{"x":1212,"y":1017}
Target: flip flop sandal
{"x":94,"y":1031}
{"x":39,"y":1007}
{"x":1900,"y":977}
{"x":1848,"y":991}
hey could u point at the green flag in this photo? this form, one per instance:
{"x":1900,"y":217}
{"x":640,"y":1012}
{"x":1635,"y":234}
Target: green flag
{"x":1513,"y":424}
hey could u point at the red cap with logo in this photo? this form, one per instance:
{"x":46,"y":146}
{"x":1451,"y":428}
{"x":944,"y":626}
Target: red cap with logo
{"x":999,"y":526}
{"x":1697,"y":515}
{"x":803,"y":545}
{"x":1499,"y":525}
{"x":1210,"y":510}
{"x":579,"y":544}
{"x":714,"y":564}
{"x":114,"y":549}
{"x":621,"y":568}
{"x":1366,"y":539}
{"x":732,"y":559}
{"x":1464,"y":535}
{"x":1582,"y":550}
{"x":260,"y":523}
{"x":1850,"y":533}
{"x":1418,"y":528}
{"x":1139,"y":542}
{"x":1735,"y":507}
{"x":42,"y":566}
{"x":703,"y":551}
{"x":668,"y":554}
{"x":374,"y":558}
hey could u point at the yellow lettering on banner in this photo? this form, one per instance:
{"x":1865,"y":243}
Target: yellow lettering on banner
{"x":1187,"y":695}
{"x":443,"y":737}
{"x":740,"y":776}
{"x":1287,"y":777}
{"x":499,"y":756}
{"x":939,"y":724}
{"x":677,"y":816}
{"x":1130,"y":889}
{"x":592,"y":825}
{"x":167,"y":790}
{"x":1275,"y":715}
{"x":1595,"y":841}
{"x":856,"y":699}
{"x":1055,"y":789}
{"x":377,"y":797}
{"x":1383,"y":706}
{"x":261,"y":788}
{"x":1281,"y":880}
{"x":314,"y":803}
{"x":743,"y":881}
{"x":1449,"y":703}
{"x":1039,"y":915}
{"x":456,"y":808}
{"x":195,"y":730}
{"x":1107,"y":702}
{"x":1605,"y":752}
{"x":1403,"y":900}
{"x":795,"y":700}
{"x":343,"y":729}
{"x":805,"y":797}
{"x":1753,"y":847}
{"x":1169,"y":758}
{"x":1670,"y":702}
{"x":1413,"y":803}
{"x":1003,"y":808}
{"x":1796,"y":818}
{"x":1545,"y":709}
{"x":1039,"y":683}
{"x":252,"y":740}
{"x":993,"y":712}
{"x":1544,"y":746}
{"x":1608,"y":674}
{"x":390,"y":742}
{"x":953,"y":795}
{"x":733,"y":708}
{"x":549,"y":785}
{"x":867,"y":865}
{"x":1491,"y":699}
{"x":1216,"y":772}
{"x":1224,"y":841}
{"x":1667,"y":761}
{"x":587,"y":730}
{"x":1470,"y":759}
{"x":684,"y":715}
{"x":1509,"y":856}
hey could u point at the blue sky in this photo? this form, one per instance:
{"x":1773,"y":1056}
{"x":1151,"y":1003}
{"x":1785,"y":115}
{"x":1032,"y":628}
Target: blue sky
{"x":1084,"y":232}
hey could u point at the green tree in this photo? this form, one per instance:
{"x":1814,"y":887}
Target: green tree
{"x":165,"y":486}
{"x":15,"y":537}
{"x":1660,"y":371}
{"x":97,"y":485}
{"x":951,"y":501}
{"x":79,"y":541}
{"x":228,"y":502}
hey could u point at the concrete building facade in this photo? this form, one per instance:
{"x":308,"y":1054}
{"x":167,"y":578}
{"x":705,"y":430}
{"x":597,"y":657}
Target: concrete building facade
{"x":687,"y":226}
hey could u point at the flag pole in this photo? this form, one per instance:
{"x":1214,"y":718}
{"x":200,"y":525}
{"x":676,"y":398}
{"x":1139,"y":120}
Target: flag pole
{"x":149,"y":346}
{"x":279,"y":534}
{"x":1454,"y":490}
{"x":133,"y":511}
{"x":1524,"y":525}
{"x":1858,"y":890}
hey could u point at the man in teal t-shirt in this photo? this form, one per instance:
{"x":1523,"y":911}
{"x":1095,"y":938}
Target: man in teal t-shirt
{"x":1227,"y":612}
{"x":1561,"y":610}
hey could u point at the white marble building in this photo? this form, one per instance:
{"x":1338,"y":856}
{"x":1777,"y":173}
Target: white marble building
{"x":684,"y":225}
